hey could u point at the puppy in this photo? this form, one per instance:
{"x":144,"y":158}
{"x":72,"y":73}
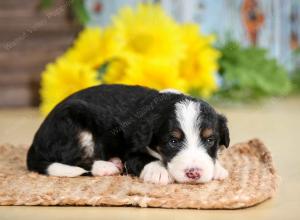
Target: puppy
{"x":161,"y":137}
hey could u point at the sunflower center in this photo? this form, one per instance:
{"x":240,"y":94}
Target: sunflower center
{"x":141,"y":43}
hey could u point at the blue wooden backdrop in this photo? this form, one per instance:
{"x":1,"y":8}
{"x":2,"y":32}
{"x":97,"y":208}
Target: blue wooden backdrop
{"x":271,"y":24}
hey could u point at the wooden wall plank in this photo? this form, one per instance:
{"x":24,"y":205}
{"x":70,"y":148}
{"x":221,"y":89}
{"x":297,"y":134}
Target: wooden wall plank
{"x":29,"y":39}
{"x":32,"y":55}
{"x":18,"y":96}
{"x":30,"y":25}
{"x":18,"y":79}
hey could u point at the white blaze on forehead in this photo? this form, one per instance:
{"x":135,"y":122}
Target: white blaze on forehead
{"x":187,"y":113}
{"x":192,"y":154}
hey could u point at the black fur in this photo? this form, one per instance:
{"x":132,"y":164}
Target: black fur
{"x":123,"y":121}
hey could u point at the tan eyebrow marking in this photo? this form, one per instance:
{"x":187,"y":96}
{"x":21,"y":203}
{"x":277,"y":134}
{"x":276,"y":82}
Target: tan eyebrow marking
{"x":176,"y":133}
{"x":207,"y":132}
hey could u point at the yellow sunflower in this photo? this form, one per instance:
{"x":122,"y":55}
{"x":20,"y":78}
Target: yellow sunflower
{"x":115,"y":71}
{"x":86,"y":48}
{"x":143,"y":46}
{"x":154,"y":74}
{"x":63,"y":78}
{"x":200,"y":63}
{"x":148,"y":33}
{"x":93,"y":47}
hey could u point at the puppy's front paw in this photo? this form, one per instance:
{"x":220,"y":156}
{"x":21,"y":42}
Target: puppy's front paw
{"x":220,"y":172}
{"x":155,"y":172}
{"x":104,"y":168}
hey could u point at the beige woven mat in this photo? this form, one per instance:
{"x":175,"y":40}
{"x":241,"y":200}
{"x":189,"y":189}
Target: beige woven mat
{"x":252,"y":180}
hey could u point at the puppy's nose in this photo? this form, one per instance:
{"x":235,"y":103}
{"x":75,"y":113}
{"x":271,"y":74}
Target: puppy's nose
{"x":193,"y":173}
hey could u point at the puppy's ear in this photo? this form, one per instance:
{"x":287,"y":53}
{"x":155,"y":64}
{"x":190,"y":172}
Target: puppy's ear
{"x":223,"y":131}
{"x":142,"y":135}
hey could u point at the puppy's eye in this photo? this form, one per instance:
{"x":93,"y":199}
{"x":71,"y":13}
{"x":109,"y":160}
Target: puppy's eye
{"x":173,"y":141}
{"x":210,"y":141}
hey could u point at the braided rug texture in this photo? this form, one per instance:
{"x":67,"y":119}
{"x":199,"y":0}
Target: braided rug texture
{"x":252,"y":180}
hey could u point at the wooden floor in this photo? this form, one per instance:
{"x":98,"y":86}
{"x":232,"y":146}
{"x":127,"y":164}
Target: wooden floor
{"x":276,"y":123}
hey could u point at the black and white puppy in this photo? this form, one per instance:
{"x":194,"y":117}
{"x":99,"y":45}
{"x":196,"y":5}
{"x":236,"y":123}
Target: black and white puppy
{"x":161,"y":137}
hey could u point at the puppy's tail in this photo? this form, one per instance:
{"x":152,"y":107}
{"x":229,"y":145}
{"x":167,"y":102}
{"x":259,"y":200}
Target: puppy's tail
{"x":59,"y":169}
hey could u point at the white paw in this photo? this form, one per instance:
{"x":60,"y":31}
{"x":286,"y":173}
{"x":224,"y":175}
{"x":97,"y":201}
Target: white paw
{"x":155,"y":172}
{"x":220,"y":172}
{"x":104,"y":168}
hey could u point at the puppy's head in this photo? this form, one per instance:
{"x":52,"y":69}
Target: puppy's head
{"x":189,"y":139}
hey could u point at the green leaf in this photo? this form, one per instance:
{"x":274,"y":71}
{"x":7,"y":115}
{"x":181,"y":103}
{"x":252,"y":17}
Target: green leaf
{"x":45,"y":4}
{"x":80,"y":11}
{"x":102,"y":70}
{"x":249,"y":74}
